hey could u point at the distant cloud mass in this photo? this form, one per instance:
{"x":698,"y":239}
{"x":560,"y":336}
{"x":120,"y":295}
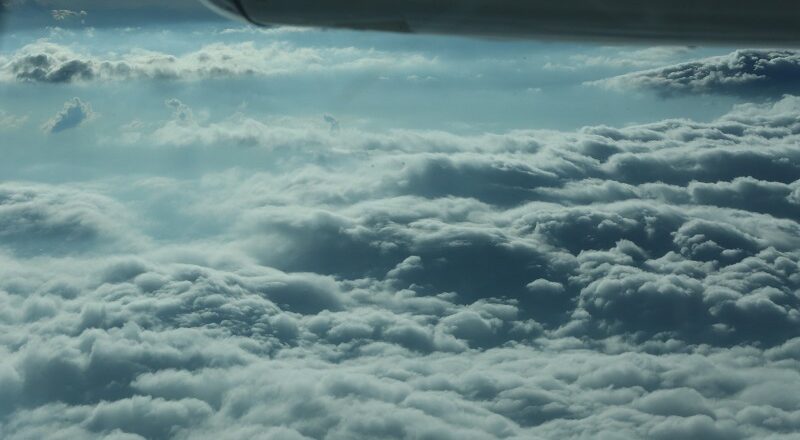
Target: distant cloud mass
{"x":746,"y":73}
{"x":74,"y":113}
{"x":46,"y":62}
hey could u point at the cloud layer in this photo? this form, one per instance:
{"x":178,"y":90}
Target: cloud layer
{"x":636,"y":282}
{"x":746,"y":73}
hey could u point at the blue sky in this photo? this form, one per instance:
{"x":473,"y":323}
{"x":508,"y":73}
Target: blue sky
{"x":209,"y":230}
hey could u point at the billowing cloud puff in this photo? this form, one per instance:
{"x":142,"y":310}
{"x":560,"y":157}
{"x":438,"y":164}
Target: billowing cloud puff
{"x":752,"y":72}
{"x":74,"y":113}
{"x":636,"y":282}
{"x":44,"y":220}
{"x":54,"y":63}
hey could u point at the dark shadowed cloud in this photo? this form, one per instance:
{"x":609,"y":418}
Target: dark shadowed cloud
{"x":74,"y":113}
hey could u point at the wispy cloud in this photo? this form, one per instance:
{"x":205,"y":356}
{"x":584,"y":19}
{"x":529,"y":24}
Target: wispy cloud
{"x":10,"y":121}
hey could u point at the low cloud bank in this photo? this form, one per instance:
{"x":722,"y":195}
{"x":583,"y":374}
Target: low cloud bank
{"x":637,"y":282}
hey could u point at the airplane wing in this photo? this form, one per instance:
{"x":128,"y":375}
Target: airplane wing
{"x":774,"y":22}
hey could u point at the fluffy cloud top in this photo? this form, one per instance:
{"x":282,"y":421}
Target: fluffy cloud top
{"x":636,"y":282}
{"x":74,"y":113}
{"x":743,"y":73}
